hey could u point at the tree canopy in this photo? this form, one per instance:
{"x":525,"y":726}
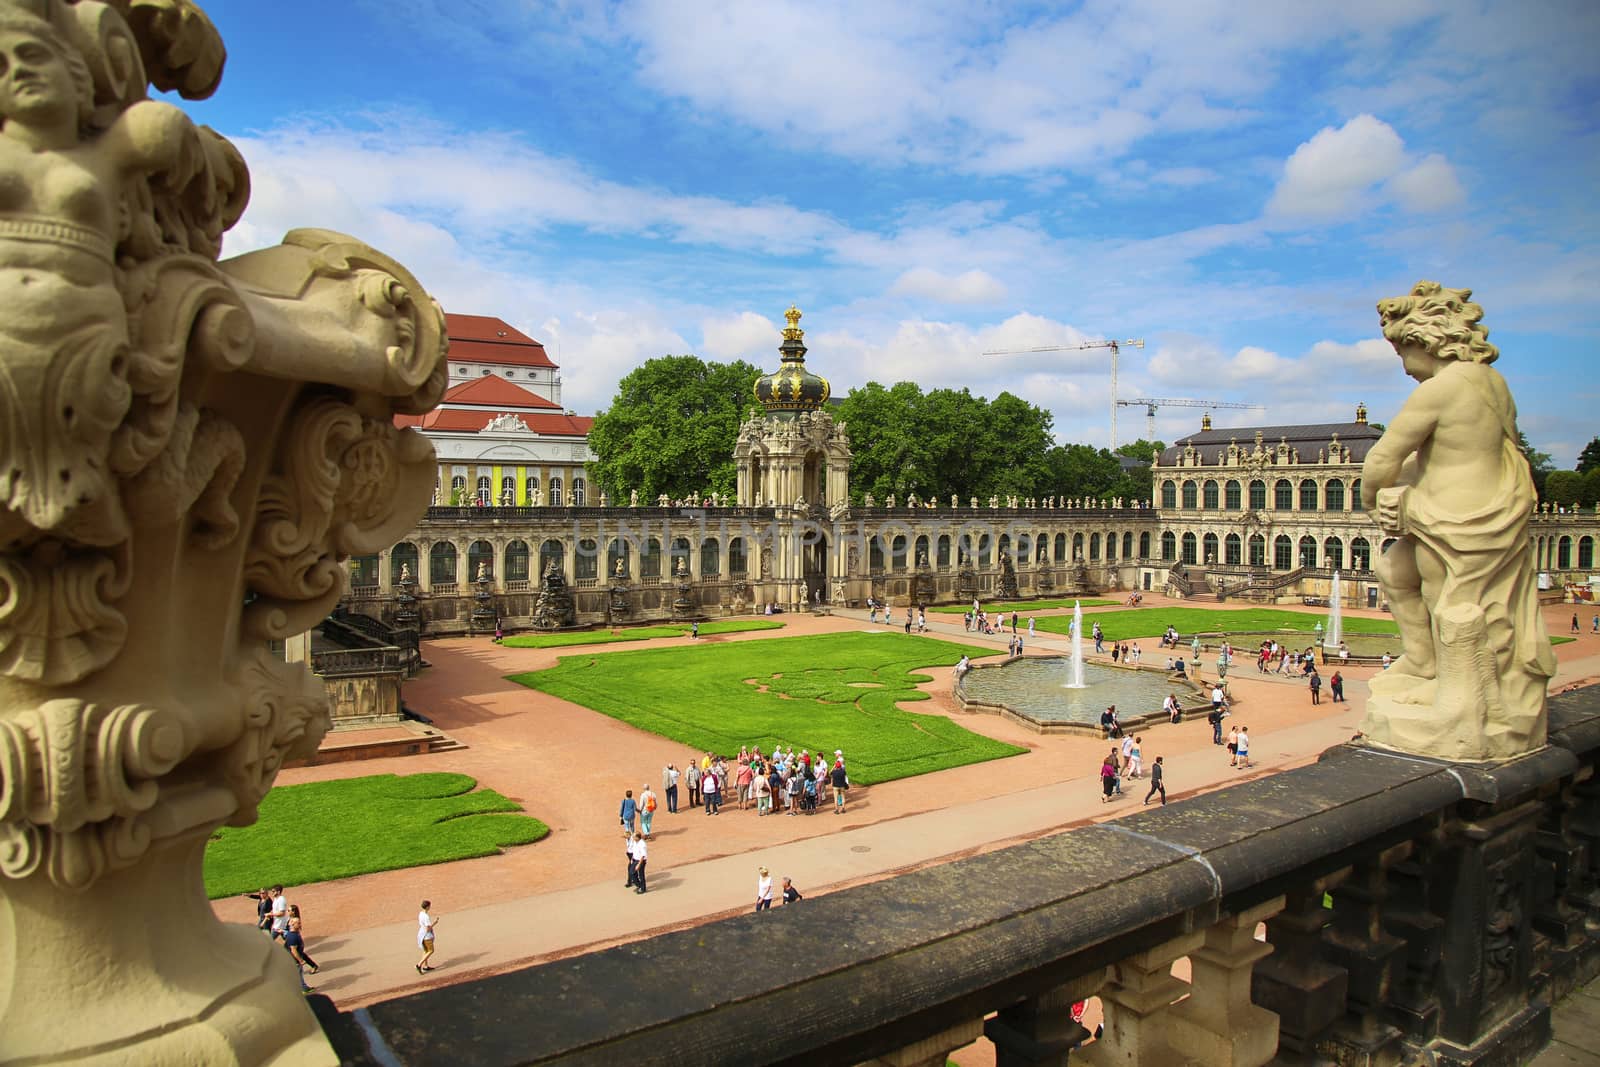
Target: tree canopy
{"x":672,"y":428}
{"x":1589,"y":458}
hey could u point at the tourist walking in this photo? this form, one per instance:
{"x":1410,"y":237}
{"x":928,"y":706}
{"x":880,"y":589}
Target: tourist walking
{"x":264,"y":909}
{"x":1158,"y":782}
{"x":639,"y":853}
{"x":425,"y":941}
{"x":1030,"y":628}
{"x":647,"y":809}
{"x":763,"y":890}
{"x":1233,"y":747}
{"x":1244,"y":746}
{"x":629,"y":813}
{"x":669,"y":786}
{"x":1108,"y":776}
{"x":280,"y":913}
{"x":1136,"y":758}
{"x":1336,"y":687}
{"x":790,"y":893}
{"x":1316,"y":686}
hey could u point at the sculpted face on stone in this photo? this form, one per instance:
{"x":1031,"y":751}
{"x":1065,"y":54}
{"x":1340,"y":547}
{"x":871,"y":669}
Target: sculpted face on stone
{"x":1449,"y":482}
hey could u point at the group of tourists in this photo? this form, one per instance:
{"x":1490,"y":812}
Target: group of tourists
{"x":768,"y":782}
{"x":764,"y":890}
{"x":280,"y":920}
{"x":1127,"y":760}
{"x":979,"y":621}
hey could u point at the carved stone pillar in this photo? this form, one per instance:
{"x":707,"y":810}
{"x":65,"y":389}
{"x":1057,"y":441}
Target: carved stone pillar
{"x":189,"y":451}
{"x":1137,"y":1003}
{"x":1040,"y":1031}
{"x":1305,"y":991}
{"x":934,"y":1051}
{"x":1218,"y":1026}
{"x":1357,"y":943}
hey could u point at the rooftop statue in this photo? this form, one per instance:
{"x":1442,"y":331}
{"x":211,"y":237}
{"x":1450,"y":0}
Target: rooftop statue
{"x":1449,"y":480}
{"x":173,"y":499}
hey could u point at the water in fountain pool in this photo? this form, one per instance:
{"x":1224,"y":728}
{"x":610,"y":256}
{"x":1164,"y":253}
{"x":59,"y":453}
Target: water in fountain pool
{"x":1037,"y":688}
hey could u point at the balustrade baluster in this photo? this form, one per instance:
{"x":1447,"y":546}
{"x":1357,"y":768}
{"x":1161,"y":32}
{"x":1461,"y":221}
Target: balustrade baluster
{"x":1218,"y":1026}
{"x":1039,"y":1031}
{"x":1305,"y":991}
{"x":1137,"y":1001}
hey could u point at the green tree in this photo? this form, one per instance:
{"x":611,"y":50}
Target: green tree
{"x":672,"y":428}
{"x":1082,"y":470}
{"x":1141,"y":450}
{"x":1539,"y":463}
{"x":1591,"y":487}
{"x":1589,"y":458}
{"x":1563,"y":488}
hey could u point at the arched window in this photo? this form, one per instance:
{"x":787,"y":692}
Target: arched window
{"x":1333,"y":554}
{"x":1308,"y":552}
{"x":1077,"y":546}
{"x":1209,"y":494}
{"x":1041,"y":548}
{"x":1208,"y":545}
{"x":680,"y":554}
{"x":403,"y":555}
{"x":458,"y":489}
{"x":1333,"y":495}
{"x":1191,"y":550}
{"x":1144,"y":545}
{"x":1024,"y":549}
{"x":587,"y":562}
{"x":516,"y":569}
{"x":897,"y":552}
{"x":920,"y":551}
{"x":1282,"y":552}
{"x":442,"y":563}
{"x":364,"y":571}
{"x":1169,"y":546}
{"x":530,"y":486}
{"x":479,"y":552}
{"x":1232,"y":496}
{"x":1308,"y":495}
{"x":1258,"y":495}
{"x":1360,"y":554}
{"x":578,"y":492}
{"x":1111,"y":546}
{"x":875,"y":554}
{"x":1191,"y":494}
{"x":649,"y":558}
{"x":508,"y":490}
{"x":1094,"y":546}
{"x":1060,"y":553}
{"x":552,"y":551}
{"x":985,"y":546}
{"x":616,"y":551}
{"x":1564,"y":554}
{"x":737,"y":562}
{"x":555,"y":492}
{"x":943,"y":561}
{"x":1585,"y":553}
{"x":1258,"y":550}
{"x":1355,"y":496}
{"x":710,"y":557}
{"x":1169,"y":494}
{"x":1232,"y":550}
{"x":1282,"y":495}
{"x":484,"y":489}
{"x":1127,"y":545}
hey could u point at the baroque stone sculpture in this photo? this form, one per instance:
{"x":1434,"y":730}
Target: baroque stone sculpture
{"x":189,"y":451}
{"x":1448,"y":479}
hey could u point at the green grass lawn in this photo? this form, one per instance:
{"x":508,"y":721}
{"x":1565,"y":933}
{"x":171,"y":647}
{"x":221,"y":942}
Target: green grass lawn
{"x":637,"y":633}
{"x":322,"y":830}
{"x":1153,"y":622}
{"x":1023,"y":606}
{"x":819,"y":693}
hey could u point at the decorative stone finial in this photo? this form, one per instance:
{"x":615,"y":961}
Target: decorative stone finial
{"x":1361,"y":414}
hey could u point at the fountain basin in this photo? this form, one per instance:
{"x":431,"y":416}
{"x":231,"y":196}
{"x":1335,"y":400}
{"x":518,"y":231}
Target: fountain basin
{"x":1032,"y":692}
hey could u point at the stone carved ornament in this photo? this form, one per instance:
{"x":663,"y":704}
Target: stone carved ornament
{"x":189,"y":451}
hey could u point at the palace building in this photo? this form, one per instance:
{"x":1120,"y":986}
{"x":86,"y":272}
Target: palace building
{"x":1258,"y":514}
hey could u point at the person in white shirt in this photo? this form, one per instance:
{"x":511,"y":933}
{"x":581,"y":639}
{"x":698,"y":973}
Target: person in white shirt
{"x":640,"y":851}
{"x":764,"y":891}
{"x":1127,"y":753}
{"x":280,"y":913}
{"x":425,"y":924}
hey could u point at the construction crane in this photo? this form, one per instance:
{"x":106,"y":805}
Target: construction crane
{"x":1115,"y":346}
{"x":1150,"y":403}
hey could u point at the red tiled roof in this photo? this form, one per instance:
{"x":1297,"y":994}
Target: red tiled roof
{"x":486,"y":339}
{"x":491,"y":390}
{"x":471,"y":420}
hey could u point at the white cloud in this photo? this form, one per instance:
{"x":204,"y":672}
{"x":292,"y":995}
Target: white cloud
{"x":596,"y":348}
{"x":744,"y":335}
{"x":1431,"y":185}
{"x":1365,"y":360}
{"x":969,"y":287}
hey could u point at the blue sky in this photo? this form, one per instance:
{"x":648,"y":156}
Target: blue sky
{"x":1235,"y":182}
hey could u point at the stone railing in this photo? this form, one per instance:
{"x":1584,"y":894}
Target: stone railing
{"x":516,"y":585}
{"x":364,"y":592}
{"x":445,"y":589}
{"x":358,"y":661}
{"x":1415,"y":911}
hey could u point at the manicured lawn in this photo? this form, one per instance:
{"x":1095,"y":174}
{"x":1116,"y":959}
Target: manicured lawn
{"x":1023,"y":606}
{"x":1556,"y":639}
{"x":819,"y":693}
{"x":1153,"y":622}
{"x":638,"y":633}
{"x":324,"y":830}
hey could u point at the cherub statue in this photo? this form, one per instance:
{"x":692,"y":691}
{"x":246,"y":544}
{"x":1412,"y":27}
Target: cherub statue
{"x":888,"y":501}
{"x":955,"y":501}
{"x":633,"y":498}
{"x":483,"y":571}
{"x":682,"y":569}
{"x":405,"y":574}
{"x":621,"y":569}
{"x":1449,"y":480}
{"x":662,"y":500}
{"x":994,"y":501}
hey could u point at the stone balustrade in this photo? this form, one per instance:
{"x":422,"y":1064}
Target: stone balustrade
{"x":1413,"y":910}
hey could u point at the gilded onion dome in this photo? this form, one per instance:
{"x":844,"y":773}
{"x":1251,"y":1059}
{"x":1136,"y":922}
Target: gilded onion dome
{"x":791,"y":387}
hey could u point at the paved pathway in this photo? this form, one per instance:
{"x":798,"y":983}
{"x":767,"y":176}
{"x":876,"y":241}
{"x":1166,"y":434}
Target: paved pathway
{"x":566,"y":895}
{"x":1576,"y":1020}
